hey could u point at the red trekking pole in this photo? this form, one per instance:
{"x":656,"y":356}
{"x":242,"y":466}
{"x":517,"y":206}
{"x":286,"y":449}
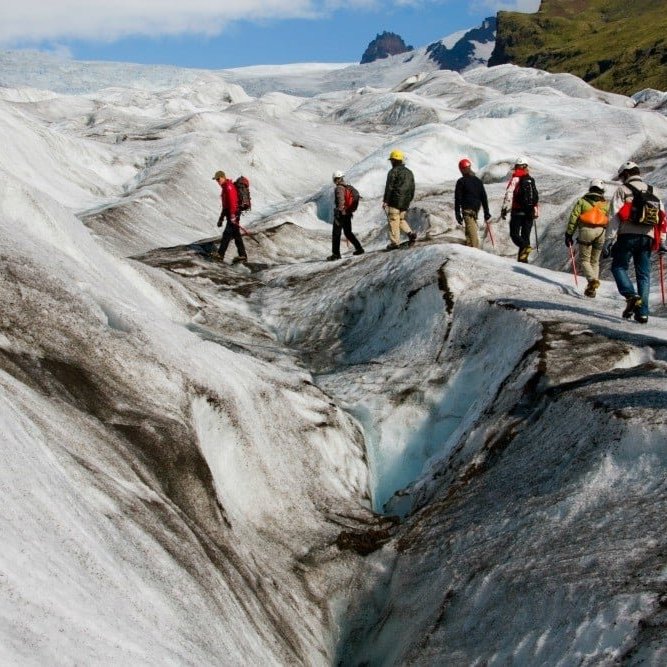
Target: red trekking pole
{"x":574,"y":266}
{"x":662,"y":278}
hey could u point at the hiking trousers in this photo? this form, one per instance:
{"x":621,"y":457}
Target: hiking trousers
{"x":638,"y":248}
{"x":590,"y":241}
{"x":470,"y":225}
{"x":397,"y":224}
{"x":343,"y":223}
{"x":521,"y":225}
{"x":232,"y":231}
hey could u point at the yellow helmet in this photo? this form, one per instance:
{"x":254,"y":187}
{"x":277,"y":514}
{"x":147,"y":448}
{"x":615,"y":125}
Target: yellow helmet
{"x":397,"y":155}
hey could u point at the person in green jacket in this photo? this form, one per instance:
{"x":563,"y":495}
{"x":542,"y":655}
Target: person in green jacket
{"x":398,"y":193}
{"x":589,"y":219}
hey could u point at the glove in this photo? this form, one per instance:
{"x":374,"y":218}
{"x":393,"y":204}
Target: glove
{"x":459,"y":220}
{"x":606,"y":249}
{"x":487,"y":217}
{"x":503,"y":214}
{"x":568,"y":240}
{"x":219,"y":222}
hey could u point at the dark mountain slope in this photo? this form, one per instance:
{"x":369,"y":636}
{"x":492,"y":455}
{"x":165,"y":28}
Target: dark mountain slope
{"x":614,"y":45}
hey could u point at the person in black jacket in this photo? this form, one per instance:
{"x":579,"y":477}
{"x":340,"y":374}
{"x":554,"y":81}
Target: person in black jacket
{"x":398,"y":193}
{"x":469,"y":197}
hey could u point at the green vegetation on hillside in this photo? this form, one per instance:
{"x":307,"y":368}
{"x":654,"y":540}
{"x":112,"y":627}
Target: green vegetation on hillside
{"x":615,"y":45}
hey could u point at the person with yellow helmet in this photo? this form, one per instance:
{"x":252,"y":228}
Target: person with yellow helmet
{"x":399,"y":191}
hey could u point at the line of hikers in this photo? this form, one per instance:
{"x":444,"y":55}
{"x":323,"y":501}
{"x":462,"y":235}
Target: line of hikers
{"x":398,"y":194}
{"x":629,"y":226}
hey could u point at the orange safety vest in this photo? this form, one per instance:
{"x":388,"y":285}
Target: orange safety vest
{"x":595,"y":216}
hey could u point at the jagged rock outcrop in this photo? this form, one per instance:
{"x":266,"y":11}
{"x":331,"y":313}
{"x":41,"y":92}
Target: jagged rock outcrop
{"x":611,"y":44}
{"x":384,"y":45}
{"x":473,"y":49}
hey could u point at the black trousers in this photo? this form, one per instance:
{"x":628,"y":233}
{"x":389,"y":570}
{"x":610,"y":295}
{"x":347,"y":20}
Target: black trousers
{"x":521,"y":225}
{"x":232,"y":231}
{"x":343,"y":223}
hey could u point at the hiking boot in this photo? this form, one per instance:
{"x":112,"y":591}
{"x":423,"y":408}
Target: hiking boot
{"x":392,"y":246}
{"x":333,"y":258}
{"x":359,"y":251}
{"x":412,"y":237}
{"x":632,"y":305}
{"x":523,"y":254}
{"x":240,"y":258}
{"x":642,"y":319}
{"x":591,"y":288}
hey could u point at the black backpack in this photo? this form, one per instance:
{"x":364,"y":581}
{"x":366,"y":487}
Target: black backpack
{"x":645,"y":208}
{"x":351,"y":198}
{"x":242,"y":185}
{"x":526,"y":195}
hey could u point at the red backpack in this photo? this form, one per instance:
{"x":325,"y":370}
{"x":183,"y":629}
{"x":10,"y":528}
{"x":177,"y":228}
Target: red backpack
{"x":243,"y":191}
{"x":351,"y":198}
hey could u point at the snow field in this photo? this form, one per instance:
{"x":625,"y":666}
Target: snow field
{"x":189,"y":442}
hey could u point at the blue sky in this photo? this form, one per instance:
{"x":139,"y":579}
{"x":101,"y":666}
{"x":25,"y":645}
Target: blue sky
{"x":214,"y":35}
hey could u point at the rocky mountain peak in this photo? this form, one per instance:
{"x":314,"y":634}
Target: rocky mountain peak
{"x":384,"y":45}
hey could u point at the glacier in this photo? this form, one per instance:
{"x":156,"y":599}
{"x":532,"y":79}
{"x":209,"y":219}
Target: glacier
{"x":431,"y":456}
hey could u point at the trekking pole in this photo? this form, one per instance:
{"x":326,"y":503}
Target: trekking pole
{"x":662,"y":278}
{"x":574,"y":266}
{"x":537,"y":244}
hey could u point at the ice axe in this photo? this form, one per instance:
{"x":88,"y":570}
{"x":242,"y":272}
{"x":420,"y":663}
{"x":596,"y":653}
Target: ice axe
{"x":245,"y":232}
{"x":489,"y":233}
{"x":574,"y":265}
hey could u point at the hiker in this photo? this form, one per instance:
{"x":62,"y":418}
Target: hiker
{"x":344,"y":207}
{"x":589,"y":219}
{"x":469,"y":197}
{"x":636,"y":223}
{"x":521,"y":202}
{"x":398,"y":193}
{"x":230,"y":212}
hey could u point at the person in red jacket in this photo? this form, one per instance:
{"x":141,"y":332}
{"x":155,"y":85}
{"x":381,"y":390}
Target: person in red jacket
{"x":230,"y":213}
{"x":521,"y":202}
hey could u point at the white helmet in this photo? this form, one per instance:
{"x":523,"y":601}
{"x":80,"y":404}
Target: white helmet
{"x":597,"y":184}
{"x":521,"y":161}
{"x":627,"y":166}
{"x":337,"y":174}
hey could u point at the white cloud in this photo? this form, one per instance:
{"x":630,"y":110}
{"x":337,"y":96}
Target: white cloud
{"x":37,"y":20}
{"x":493,"y":6}
{"x":34,"y":21}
